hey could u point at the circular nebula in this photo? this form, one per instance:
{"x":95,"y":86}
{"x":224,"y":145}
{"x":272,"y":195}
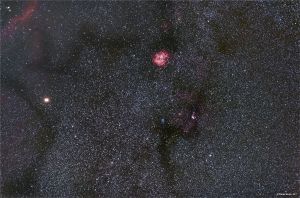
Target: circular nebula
{"x":161,"y":58}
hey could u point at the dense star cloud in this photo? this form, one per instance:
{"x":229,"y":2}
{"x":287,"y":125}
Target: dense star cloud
{"x":156,"y":99}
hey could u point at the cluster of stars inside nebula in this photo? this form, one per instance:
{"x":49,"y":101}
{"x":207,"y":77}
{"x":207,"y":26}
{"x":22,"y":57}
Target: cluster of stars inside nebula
{"x":149,"y":99}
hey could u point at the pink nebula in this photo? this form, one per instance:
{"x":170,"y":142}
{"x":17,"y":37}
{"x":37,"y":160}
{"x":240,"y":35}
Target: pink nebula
{"x":21,"y":19}
{"x":161,"y":58}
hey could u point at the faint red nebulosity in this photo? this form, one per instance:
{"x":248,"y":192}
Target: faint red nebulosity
{"x":161,"y":58}
{"x":23,"y":18}
{"x":166,"y":26}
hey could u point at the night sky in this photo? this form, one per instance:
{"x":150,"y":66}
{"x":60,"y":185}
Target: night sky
{"x":150,"y":99}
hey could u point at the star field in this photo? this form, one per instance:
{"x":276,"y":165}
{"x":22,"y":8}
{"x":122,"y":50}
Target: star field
{"x":149,"y":99}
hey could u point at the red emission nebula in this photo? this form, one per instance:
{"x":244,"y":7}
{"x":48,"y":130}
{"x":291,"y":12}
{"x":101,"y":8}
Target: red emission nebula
{"x":21,"y":19}
{"x":161,"y":58}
